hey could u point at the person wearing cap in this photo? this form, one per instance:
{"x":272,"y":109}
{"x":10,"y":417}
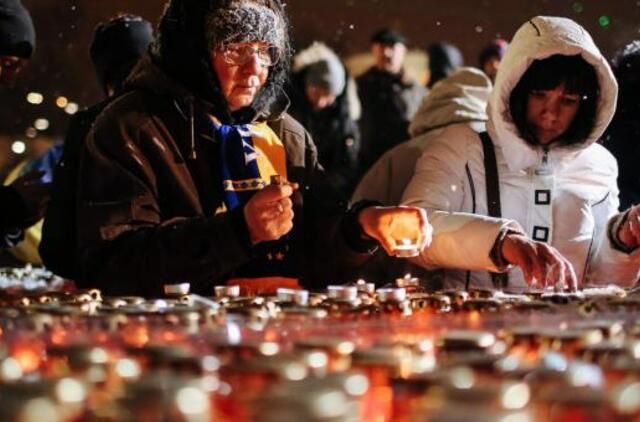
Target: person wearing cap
{"x":24,"y":200}
{"x":389,"y":100}
{"x":490,"y":57}
{"x":198,"y":175}
{"x":444,"y":59}
{"x":117,"y":46}
{"x":324,"y":100}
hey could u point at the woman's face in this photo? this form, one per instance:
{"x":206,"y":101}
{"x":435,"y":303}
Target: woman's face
{"x":551,"y":112}
{"x":242,"y":70}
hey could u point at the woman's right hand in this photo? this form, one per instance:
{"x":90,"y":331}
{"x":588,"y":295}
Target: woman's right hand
{"x":269,"y":213}
{"x":541,"y":264}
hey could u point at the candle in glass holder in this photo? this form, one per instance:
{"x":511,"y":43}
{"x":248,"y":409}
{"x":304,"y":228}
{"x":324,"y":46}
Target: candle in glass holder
{"x":406,"y":248}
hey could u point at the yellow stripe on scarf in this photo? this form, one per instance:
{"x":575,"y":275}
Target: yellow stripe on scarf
{"x":271,"y":157}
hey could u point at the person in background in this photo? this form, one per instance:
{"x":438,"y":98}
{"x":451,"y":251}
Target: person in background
{"x":622,"y":135}
{"x":389,"y":100}
{"x":197,"y":174}
{"x":444,"y":59}
{"x":325,"y":102}
{"x":117,"y":46}
{"x":24,"y":200}
{"x":538,"y":165}
{"x":490,"y":57}
{"x":459,"y":99}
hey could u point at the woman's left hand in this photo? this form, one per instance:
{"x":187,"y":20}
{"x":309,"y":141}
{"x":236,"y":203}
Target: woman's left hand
{"x":629,"y":233}
{"x":392,"y":225}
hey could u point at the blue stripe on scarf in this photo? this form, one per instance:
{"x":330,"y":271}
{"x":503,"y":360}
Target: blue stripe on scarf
{"x":237,"y":162}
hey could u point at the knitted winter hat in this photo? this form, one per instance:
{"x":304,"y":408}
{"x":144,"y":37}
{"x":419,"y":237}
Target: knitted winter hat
{"x":245,"y":21}
{"x":117,"y":45}
{"x":326,"y":74}
{"x":17,"y":34}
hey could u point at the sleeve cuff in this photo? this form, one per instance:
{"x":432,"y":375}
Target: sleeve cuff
{"x":352,"y":232}
{"x":239,"y":225}
{"x":496,"y":251}
{"x":615,"y":224}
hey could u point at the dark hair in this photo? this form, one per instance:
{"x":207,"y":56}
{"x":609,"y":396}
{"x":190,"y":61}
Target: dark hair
{"x":579,"y":78}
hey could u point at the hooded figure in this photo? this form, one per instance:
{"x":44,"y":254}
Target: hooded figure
{"x":324,"y":100}
{"x":459,"y":99}
{"x":17,"y":34}
{"x":184,"y":177}
{"x":17,"y":39}
{"x":24,"y":200}
{"x":621,"y":137}
{"x":444,"y":59}
{"x":555,"y":183}
{"x":117,"y":46}
{"x":490,"y":57}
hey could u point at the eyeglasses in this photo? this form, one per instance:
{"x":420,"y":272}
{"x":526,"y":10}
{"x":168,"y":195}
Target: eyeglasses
{"x":241,"y":54}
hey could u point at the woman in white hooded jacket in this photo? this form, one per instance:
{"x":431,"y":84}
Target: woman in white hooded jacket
{"x":554,"y":95}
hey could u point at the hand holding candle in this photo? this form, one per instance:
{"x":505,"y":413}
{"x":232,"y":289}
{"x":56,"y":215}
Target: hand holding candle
{"x":402,"y":231}
{"x":269,"y":213}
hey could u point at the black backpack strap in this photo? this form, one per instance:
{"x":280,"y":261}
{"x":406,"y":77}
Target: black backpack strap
{"x":492,"y":182}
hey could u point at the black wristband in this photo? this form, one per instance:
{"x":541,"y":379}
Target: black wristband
{"x":352,"y":232}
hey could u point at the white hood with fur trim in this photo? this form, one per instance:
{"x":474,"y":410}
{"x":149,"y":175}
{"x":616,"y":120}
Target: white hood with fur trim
{"x":567,"y":198}
{"x":540,"y":38}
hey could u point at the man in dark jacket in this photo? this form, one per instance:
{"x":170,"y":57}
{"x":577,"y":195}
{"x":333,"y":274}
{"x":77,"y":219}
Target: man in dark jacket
{"x":388,"y":99}
{"x":23,"y":202}
{"x":117,"y":46}
{"x":175,"y":175}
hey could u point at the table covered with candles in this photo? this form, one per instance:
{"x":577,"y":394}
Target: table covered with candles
{"x":351,"y":352}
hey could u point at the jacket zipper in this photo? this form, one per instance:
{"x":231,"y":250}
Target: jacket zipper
{"x":192,"y":129}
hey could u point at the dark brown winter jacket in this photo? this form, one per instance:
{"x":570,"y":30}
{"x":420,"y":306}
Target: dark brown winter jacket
{"x":150,"y":184}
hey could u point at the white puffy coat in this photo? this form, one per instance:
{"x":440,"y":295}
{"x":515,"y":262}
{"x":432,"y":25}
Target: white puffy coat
{"x":568,"y":204}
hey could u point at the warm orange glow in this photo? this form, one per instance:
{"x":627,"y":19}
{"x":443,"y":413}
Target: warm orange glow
{"x":59,"y":336}
{"x":101,"y":337}
{"x":169,"y":336}
{"x":135,"y":335}
{"x":29,"y":354}
{"x":474,"y":319}
{"x":270,"y":335}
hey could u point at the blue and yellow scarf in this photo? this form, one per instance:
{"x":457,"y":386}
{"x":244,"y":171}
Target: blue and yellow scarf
{"x":250,"y":154}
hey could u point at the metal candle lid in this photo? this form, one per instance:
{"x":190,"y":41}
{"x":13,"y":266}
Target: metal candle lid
{"x":408,"y":281}
{"x":364,"y":287}
{"x":347,"y":293}
{"x":406,"y":248}
{"x":299,"y":297}
{"x":177,"y":289}
{"x":227,"y":291}
{"x":392,"y":294}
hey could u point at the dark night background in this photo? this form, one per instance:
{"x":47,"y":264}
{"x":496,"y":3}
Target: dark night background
{"x":61,"y":65}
